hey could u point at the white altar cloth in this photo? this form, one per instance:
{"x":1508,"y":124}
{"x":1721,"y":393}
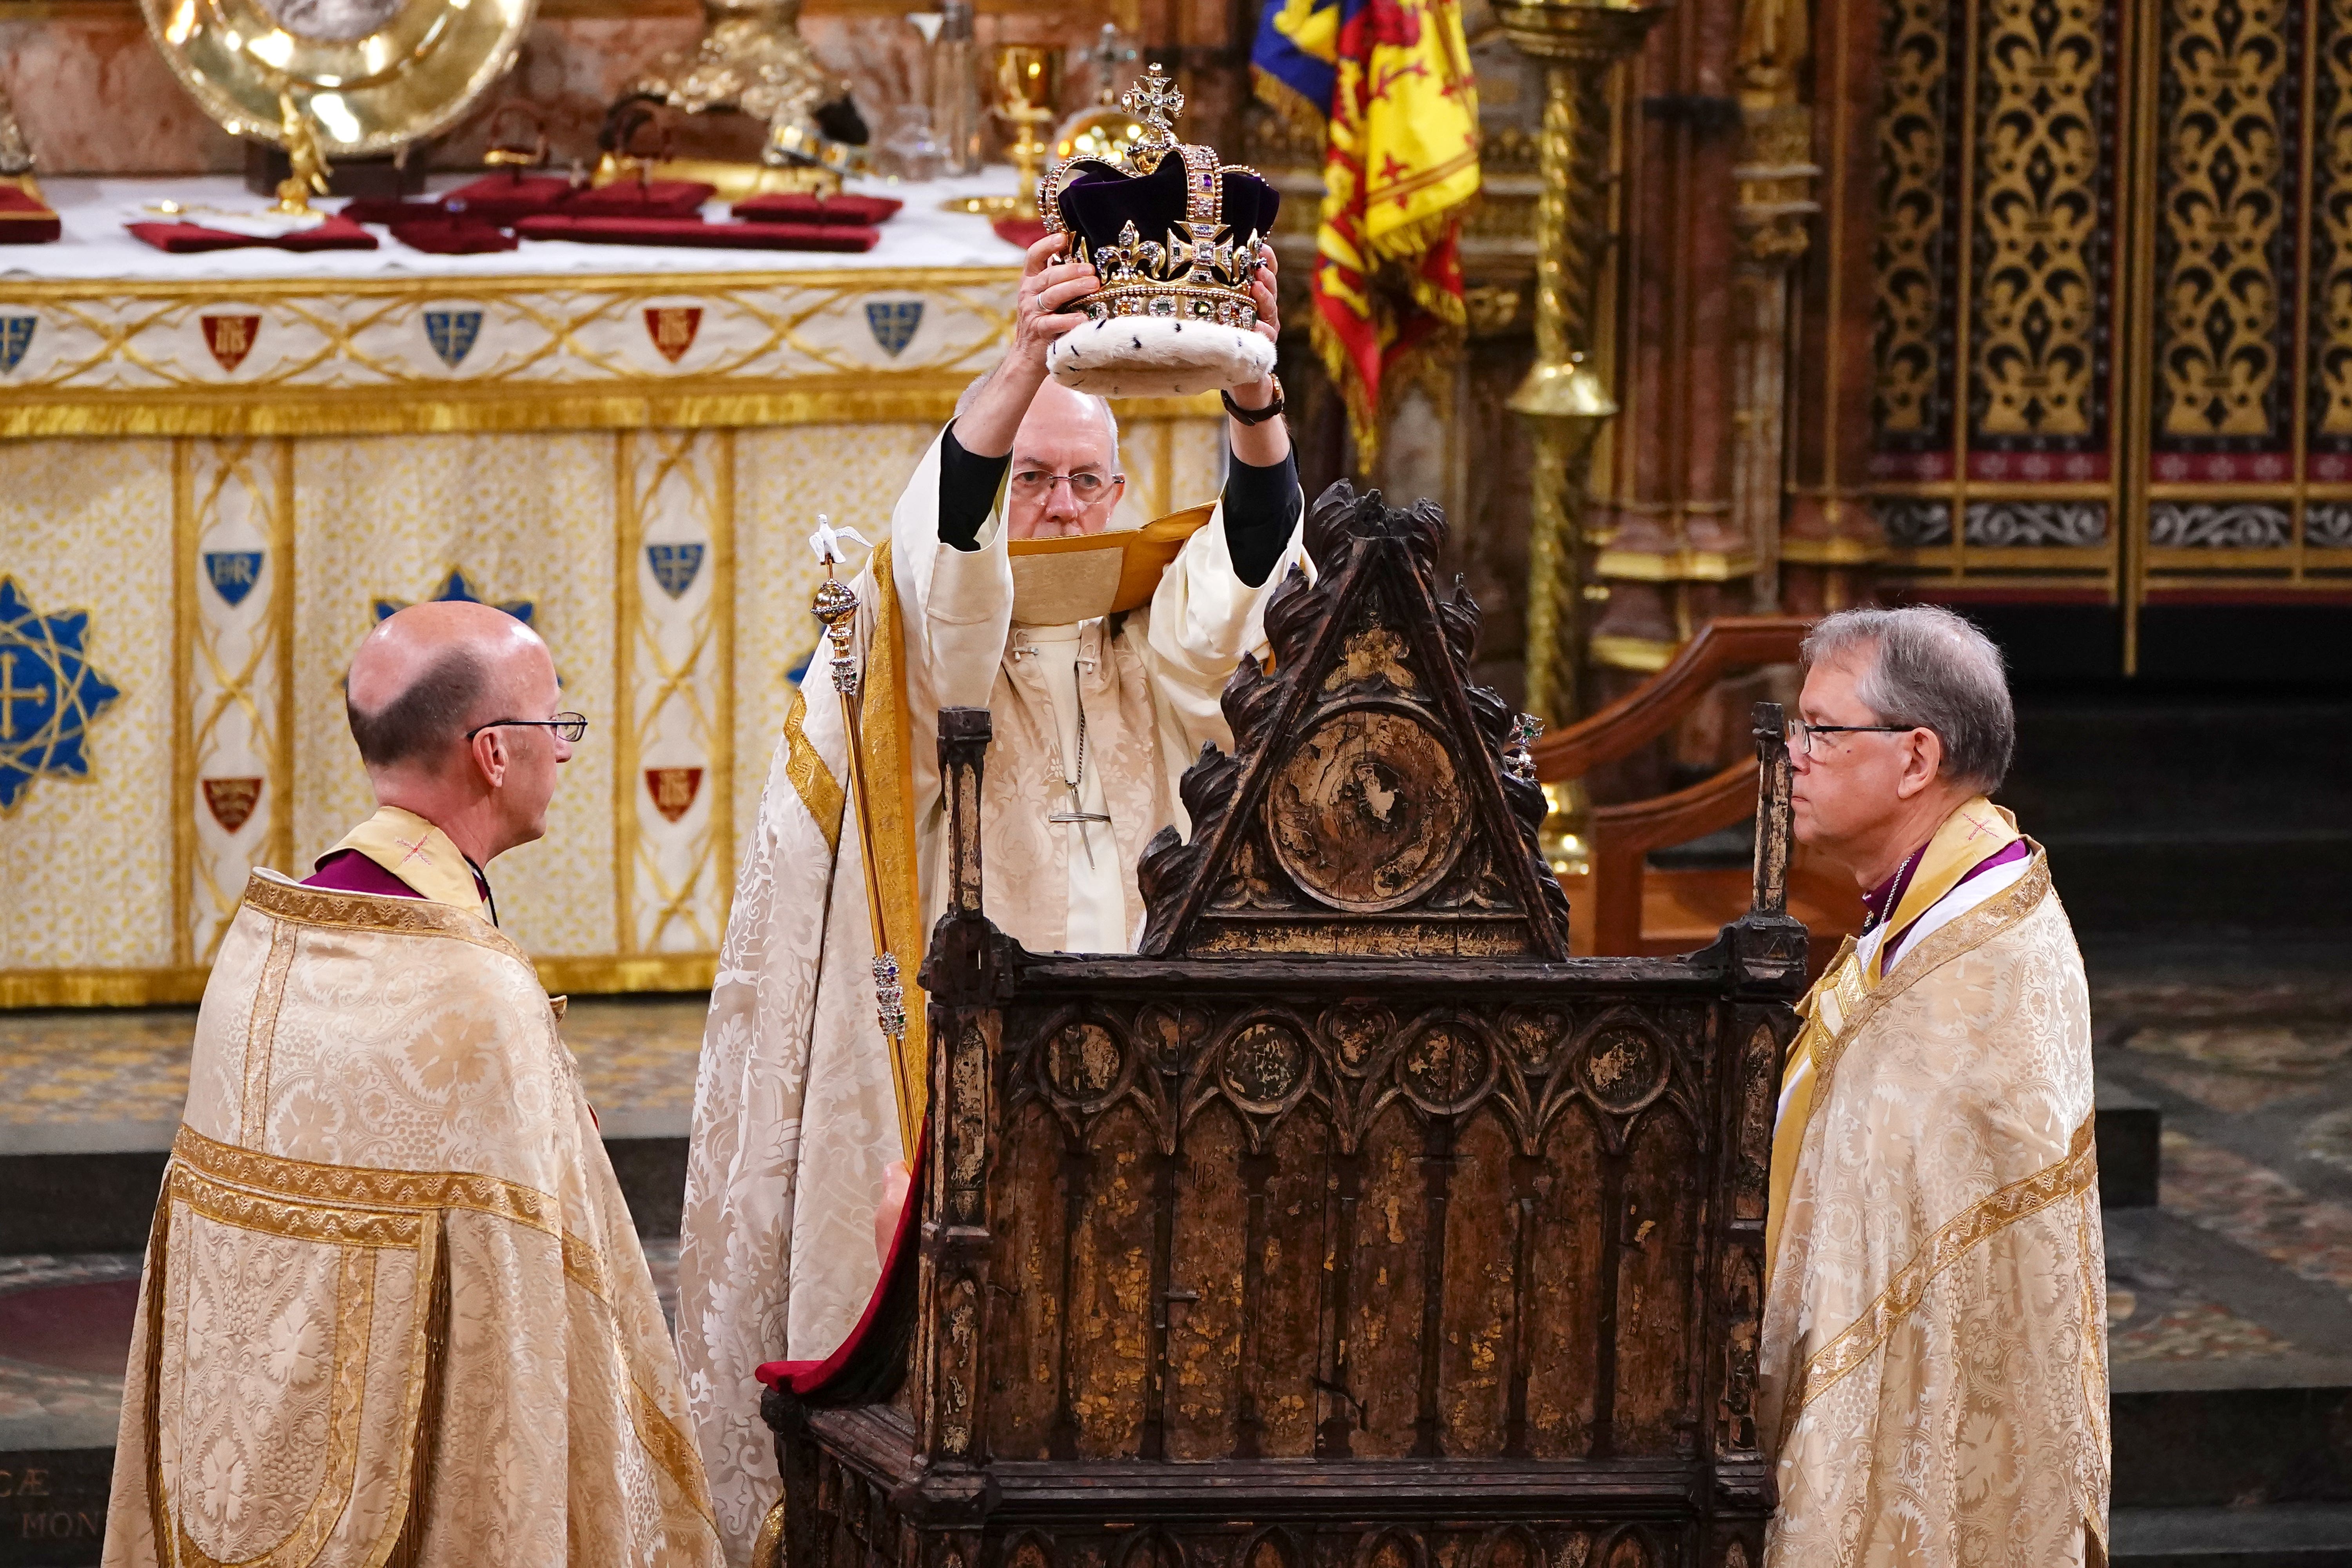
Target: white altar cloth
{"x":97,"y":246}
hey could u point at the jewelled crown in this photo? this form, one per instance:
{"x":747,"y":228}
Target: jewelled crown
{"x":1172,"y":233}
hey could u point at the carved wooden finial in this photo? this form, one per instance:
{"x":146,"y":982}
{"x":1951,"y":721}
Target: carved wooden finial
{"x":1371,"y":803}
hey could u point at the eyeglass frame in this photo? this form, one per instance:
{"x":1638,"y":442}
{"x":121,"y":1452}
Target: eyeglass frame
{"x":1790,"y":732}
{"x":1109,"y":482}
{"x":559,"y":723}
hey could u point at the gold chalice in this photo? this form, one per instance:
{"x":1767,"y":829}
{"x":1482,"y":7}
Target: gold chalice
{"x":1028,"y":98}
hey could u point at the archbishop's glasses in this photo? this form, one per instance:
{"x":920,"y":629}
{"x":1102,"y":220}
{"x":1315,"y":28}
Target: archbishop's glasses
{"x":1085,"y":488}
{"x":1800,"y":734}
{"x":570,"y":726}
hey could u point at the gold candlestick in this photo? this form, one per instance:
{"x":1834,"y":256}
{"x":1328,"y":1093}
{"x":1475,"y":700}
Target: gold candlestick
{"x":1579,"y":42}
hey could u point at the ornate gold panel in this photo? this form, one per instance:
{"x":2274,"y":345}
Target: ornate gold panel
{"x":2034,"y":367}
{"x":2221,"y":217}
{"x":1912,"y":395}
{"x":2331,"y":272}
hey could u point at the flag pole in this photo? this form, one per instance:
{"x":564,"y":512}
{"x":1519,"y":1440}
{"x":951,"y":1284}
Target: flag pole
{"x":836,"y":605}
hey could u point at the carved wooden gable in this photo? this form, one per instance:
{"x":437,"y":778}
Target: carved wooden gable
{"x":1370,"y":803}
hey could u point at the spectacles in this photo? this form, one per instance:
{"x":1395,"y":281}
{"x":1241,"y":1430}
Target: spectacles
{"x":570,"y":726}
{"x":1800,"y":734}
{"x":1085,"y":489}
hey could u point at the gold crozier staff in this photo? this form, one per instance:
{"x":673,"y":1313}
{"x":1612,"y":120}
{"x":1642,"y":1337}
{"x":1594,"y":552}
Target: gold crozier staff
{"x":837,"y":605}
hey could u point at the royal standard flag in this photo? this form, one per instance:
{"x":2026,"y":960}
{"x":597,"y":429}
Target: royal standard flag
{"x":1387,"y":86}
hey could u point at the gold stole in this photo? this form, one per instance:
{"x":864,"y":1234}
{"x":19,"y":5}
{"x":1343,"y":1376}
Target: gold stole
{"x":1978,"y":830}
{"x":887,"y":729}
{"x":419,"y":854}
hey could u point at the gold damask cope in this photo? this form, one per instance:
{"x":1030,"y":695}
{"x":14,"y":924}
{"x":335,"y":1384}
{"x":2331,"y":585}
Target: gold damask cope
{"x":393,"y":1309}
{"x":371,"y":75}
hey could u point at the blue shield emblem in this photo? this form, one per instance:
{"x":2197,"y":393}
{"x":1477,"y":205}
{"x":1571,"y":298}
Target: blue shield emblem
{"x":893,"y":322}
{"x":452,"y":333}
{"x":48,"y":694}
{"x":456,"y":587}
{"x":233,"y":573}
{"x":675,"y":566}
{"x":16,"y":337}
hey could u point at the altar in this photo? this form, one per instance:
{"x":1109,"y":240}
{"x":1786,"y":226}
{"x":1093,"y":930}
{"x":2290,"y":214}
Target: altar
{"x":219,"y":470}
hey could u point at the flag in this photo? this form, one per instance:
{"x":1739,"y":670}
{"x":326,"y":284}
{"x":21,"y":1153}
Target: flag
{"x":1386,"y":85}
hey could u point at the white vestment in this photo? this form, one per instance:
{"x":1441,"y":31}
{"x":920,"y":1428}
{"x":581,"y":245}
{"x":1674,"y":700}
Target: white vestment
{"x":796,"y":1117}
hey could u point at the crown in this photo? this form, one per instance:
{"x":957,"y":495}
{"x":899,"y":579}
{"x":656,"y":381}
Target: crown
{"x":1174,"y":235}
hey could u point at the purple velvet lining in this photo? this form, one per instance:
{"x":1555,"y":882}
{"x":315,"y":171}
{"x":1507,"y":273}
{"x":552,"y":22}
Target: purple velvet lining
{"x":1097,"y":201}
{"x":2015,"y":849}
{"x":348,"y":871}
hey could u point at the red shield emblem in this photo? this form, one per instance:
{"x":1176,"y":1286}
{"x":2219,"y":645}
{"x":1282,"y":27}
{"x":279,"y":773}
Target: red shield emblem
{"x":672,"y":329}
{"x":673,"y":790}
{"x":232,"y":801}
{"x":231,"y":338}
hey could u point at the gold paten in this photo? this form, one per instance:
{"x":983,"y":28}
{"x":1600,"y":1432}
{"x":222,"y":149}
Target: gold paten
{"x":371,"y":76}
{"x":752,"y":58}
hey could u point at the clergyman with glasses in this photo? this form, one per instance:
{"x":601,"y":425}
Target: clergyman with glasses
{"x":1934,"y":1367}
{"x":796,"y":1147}
{"x":394,"y":1306}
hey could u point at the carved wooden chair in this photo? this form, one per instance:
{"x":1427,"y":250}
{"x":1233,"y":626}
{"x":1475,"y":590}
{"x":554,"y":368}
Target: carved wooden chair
{"x":1349,"y":1222}
{"x":1629,"y":908}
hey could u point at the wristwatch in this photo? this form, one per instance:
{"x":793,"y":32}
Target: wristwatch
{"x":1255,"y":415}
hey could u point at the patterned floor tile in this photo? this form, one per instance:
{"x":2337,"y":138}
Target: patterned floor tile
{"x":132,"y":1067}
{"x":2257,"y":1208}
{"x":2192,"y":1330}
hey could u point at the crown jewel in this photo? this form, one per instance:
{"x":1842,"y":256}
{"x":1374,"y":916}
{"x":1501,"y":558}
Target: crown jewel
{"x":1206,"y":220}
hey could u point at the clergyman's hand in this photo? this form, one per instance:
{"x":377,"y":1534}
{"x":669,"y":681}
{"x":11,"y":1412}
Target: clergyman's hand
{"x":1047,"y":283}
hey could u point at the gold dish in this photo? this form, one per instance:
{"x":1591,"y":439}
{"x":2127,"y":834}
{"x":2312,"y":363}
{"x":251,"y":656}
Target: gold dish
{"x":371,"y":76}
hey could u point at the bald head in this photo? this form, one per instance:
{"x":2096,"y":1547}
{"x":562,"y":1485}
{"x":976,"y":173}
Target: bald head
{"x":429,"y":673}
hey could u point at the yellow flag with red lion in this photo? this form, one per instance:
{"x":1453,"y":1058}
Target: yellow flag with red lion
{"x":1388,"y":86}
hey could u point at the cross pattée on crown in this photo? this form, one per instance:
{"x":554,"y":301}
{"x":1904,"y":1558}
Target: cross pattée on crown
{"x":1158,"y":101}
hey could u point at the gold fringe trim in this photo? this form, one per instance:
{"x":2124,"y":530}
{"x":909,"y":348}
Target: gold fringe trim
{"x":1305,"y":117}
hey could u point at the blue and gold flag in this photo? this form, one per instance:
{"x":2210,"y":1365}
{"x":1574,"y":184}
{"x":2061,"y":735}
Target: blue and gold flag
{"x":1386,"y":85}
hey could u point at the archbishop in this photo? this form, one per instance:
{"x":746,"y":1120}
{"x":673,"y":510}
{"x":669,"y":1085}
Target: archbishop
{"x":798,"y":1130}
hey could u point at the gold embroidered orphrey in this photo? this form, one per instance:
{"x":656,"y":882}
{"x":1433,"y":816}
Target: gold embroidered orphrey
{"x":1934,"y":1363}
{"x":393,"y":1309}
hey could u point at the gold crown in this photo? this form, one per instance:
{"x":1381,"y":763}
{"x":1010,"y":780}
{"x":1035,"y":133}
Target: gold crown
{"x":1201,"y":271}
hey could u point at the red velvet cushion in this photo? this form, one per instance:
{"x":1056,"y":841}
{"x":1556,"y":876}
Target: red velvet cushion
{"x":626,"y":199}
{"x":188,"y":238}
{"x":1023,"y":232}
{"x":444,"y":236}
{"x":502,"y":198}
{"x":694,"y":232}
{"x":791,"y":206}
{"x":24,"y":221}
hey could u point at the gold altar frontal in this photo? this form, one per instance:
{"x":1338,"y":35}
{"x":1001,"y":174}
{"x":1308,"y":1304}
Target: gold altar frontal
{"x":212,"y":486}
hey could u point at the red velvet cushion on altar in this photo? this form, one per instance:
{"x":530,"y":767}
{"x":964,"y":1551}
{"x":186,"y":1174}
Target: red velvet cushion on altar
{"x":24,"y":220}
{"x":1023,"y":232}
{"x":695,"y":232}
{"x":626,"y":199}
{"x":439,"y":234}
{"x":502,"y":198}
{"x":793,"y":206}
{"x":188,"y":238}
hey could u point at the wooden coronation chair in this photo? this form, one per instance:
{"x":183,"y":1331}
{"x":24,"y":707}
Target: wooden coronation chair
{"x":1625,"y":906}
{"x":1350,"y":1223}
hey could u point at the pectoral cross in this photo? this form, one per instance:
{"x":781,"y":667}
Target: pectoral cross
{"x":1081,"y":816}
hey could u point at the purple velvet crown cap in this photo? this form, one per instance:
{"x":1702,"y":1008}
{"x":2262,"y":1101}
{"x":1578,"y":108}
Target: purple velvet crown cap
{"x":1097,"y":200}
